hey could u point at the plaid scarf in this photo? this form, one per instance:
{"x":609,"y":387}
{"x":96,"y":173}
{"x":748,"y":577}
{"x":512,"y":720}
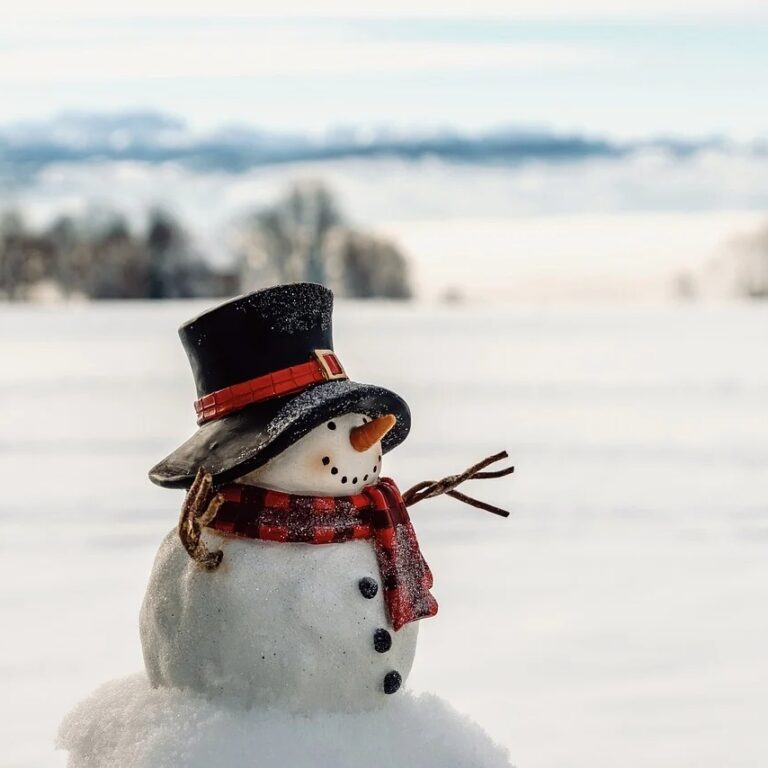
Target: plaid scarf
{"x":377,"y":513}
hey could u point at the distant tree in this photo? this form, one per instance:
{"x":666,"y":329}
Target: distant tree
{"x":171,"y":261}
{"x":749,"y":257}
{"x":25,"y":258}
{"x":684,"y":286}
{"x":452,"y":295}
{"x":11,"y":254}
{"x":284,"y":242}
{"x":363,"y":267}
{"x":118,"y":264}
{"x":303,"y":237}
{"x":71,"y":257}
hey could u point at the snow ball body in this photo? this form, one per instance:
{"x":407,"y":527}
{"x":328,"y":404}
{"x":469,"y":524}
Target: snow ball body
{"x":278,"y":624}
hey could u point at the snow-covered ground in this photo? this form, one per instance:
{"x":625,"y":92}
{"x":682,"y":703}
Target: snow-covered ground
{"x":616,"y":619}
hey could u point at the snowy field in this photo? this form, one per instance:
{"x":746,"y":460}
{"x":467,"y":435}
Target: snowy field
{"x":617,"y":618}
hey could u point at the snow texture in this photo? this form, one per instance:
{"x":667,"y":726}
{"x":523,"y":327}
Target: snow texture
{"x":276,"y":625}
{"x":128,"y":724}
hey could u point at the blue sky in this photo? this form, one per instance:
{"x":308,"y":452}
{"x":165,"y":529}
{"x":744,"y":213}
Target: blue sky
{"x":613,"y":69}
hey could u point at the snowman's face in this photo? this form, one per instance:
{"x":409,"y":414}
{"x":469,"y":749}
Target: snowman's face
{"x":323,"y":463}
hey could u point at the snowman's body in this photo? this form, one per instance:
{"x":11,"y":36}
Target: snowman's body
{"x":302,"y":627}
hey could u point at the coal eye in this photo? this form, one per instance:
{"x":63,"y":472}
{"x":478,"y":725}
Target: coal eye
{"x":331,"y":425}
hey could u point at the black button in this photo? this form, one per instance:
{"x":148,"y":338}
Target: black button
{"x":382,"y":641}
{"x":392,"y":681}
{"x":368,"y":587}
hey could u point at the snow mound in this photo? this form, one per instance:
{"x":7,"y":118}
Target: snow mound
{"x":128,"y":724}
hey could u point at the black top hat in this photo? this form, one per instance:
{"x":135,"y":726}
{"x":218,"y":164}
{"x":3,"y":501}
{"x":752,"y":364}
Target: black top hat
{"x":266,"y":375}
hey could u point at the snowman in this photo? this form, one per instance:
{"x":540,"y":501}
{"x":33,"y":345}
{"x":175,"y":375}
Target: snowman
{"x":299,"y":582}
{"x":294,"y":581}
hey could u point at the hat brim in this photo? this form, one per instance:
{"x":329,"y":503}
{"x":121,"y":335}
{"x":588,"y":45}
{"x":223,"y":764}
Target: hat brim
{"x":243,"y":441}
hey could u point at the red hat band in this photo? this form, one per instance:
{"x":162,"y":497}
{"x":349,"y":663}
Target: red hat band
{"x":324,"y":366}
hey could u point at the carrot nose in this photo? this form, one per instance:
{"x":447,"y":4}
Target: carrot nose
{"x":366,"y":435}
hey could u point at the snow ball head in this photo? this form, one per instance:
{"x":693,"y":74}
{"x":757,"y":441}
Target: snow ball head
{"x":340,"y":457}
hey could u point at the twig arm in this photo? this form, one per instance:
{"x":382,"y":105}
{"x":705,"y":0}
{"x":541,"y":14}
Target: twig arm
{"x":428,"y":489}
{"x":479,"y":504}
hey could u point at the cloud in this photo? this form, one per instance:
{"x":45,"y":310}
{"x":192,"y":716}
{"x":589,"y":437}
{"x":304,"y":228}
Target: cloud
{"x":278,"y":55}
{"x":645,"y":181}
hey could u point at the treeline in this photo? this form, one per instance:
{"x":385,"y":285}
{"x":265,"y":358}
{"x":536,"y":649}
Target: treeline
{"x":740,"y":270}
{"x":749,"y":254}
{"x":302,"y":237}
{"x":100,"y":257}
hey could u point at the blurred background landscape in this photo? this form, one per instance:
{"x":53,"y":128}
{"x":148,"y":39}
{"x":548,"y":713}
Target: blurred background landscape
{"x":569,"y":198}
{"x":574,"y":153}
{"x":139,"y":205}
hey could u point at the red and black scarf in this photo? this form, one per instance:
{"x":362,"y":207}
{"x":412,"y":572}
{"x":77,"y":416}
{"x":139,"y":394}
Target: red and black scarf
{"x":378,"y":513}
